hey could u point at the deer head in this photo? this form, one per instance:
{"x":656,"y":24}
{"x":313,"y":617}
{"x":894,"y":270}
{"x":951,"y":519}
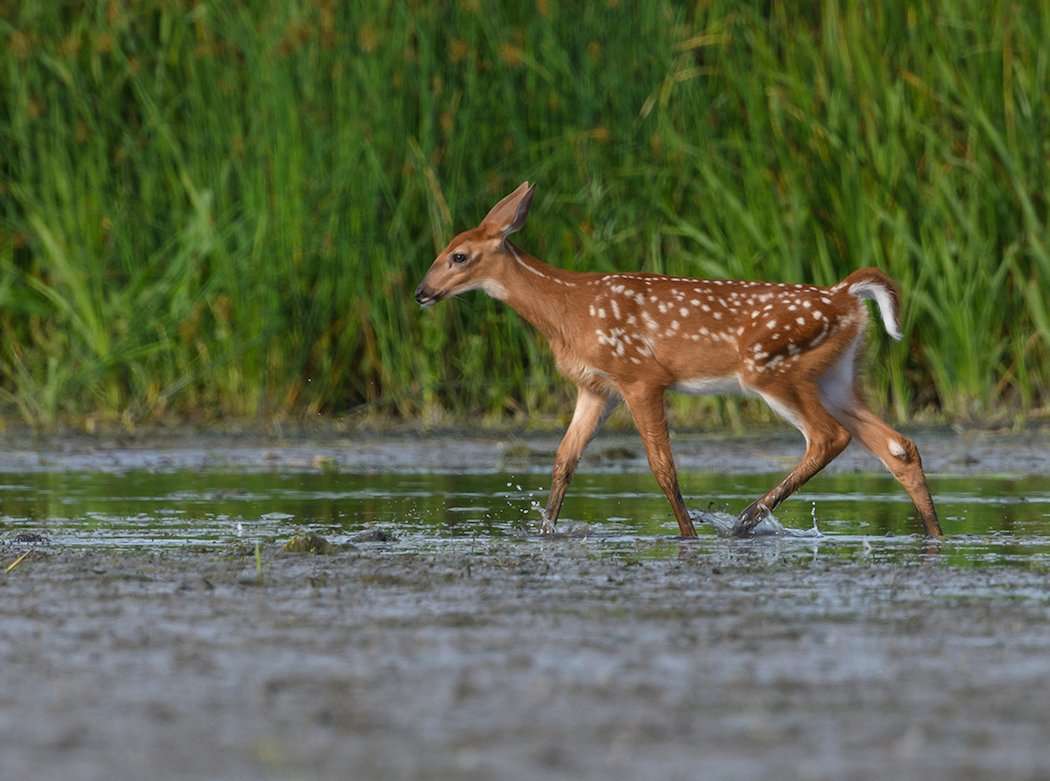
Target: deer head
{"x":474,"y":258}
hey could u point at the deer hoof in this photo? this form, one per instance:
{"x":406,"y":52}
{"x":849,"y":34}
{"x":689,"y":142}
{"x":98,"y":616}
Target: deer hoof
{"x":749,"y":519}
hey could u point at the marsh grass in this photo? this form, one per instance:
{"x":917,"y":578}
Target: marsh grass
{"x":220,"y":209}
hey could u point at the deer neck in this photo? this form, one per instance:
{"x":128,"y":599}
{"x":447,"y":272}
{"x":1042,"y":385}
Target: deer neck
{"x":540,"y":293}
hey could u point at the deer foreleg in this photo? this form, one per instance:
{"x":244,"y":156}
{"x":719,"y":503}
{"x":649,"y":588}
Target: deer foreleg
{"x":647,"y":408}
{"x":591,"y":409}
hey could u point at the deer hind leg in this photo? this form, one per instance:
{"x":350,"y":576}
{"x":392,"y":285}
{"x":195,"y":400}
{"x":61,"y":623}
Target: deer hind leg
{"x":591,"y":409}
{"x":825,"y":439}
{"x":647,"y":409}
{"x":897,"y":453}
{"x":841,"y":394}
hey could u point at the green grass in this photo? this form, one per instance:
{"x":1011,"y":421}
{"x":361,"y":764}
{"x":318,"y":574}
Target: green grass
{"x":220,"y":210}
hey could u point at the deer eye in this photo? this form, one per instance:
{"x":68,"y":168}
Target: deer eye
{"x":459,"y":257}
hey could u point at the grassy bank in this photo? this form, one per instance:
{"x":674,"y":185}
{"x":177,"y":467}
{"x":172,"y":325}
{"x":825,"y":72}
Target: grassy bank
{"x":220,"y":209}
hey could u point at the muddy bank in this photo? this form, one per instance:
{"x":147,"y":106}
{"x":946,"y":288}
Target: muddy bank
{"x":523,"y":660}
{"x":944,"y":452}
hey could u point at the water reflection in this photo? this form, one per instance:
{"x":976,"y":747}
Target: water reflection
{"x":997,"y":520}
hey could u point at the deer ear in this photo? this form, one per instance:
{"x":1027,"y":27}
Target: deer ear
{"x":508,"y":216}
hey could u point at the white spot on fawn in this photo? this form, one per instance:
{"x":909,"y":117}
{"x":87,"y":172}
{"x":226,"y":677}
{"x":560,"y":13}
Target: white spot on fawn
{"x":895,"y":447}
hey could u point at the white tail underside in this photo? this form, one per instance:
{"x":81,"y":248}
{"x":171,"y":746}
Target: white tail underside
{"x":873,"y":291}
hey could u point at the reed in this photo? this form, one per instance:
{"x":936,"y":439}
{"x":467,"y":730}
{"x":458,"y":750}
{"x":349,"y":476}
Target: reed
{"x":220,"y":209}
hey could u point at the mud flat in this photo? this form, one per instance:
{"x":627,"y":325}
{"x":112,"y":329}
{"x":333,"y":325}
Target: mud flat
{"x":943,"y":451}
{"x":524,"y":659}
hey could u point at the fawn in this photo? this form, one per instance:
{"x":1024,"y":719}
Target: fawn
{"x":633,"y":336}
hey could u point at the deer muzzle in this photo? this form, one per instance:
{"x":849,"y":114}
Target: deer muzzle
{"x":427,"y":297}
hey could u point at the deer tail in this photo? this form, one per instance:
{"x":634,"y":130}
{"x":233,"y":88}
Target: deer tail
{"x":874,"y":285}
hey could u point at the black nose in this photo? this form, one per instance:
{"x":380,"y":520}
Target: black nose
{"x":422,"y":294}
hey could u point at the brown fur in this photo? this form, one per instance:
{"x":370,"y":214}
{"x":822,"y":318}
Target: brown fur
{"x":633,"y":336}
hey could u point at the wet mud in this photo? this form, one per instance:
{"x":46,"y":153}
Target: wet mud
{"x":943,"y":452}
{"x":523,"y":660}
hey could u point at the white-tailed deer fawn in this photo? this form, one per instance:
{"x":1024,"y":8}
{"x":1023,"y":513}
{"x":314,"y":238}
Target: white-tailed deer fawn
{"x":633,"y":336}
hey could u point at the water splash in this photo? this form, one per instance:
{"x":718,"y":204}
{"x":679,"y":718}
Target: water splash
{"x":724,"y":523}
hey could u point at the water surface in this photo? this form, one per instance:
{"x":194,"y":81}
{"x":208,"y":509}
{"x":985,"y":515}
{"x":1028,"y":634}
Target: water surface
{"x":989,"y":521}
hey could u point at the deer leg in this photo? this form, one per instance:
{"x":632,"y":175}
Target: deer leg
{"x":825,"y":439}
{"x":591,"y":409}
{"x":647,"y":409}
{"x":897,"y":453}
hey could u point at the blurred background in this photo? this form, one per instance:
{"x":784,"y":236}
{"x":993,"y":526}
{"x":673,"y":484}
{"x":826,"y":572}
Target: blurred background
{"x":218,"y":210}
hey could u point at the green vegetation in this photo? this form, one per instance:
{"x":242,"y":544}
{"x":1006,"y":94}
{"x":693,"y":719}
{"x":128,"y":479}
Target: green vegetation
{"x":221,"y":209}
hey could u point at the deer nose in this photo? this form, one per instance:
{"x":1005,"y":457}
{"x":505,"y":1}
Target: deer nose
{"x":422,"y":294}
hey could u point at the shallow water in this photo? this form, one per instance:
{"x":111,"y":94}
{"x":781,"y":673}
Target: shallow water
{"x":989,"y":521}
